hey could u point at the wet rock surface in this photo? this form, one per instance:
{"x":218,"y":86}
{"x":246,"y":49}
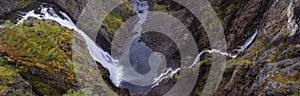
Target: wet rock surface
{"x":270,"y":66}
{"x":13,"y":84}
{"x":271,"y":69}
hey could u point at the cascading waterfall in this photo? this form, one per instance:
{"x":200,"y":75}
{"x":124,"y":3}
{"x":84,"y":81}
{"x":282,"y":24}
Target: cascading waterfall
{"x":99,"y":55}
{"x":292,"y":25}
{"x":141,"y":7}
{"x":242,"y":48}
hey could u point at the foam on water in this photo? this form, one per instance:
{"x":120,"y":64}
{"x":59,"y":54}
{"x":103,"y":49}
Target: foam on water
{"x":96,"y":52}
{"x":242,"y":48}
{"x":292,"y":25}
{"x":99,"y":55}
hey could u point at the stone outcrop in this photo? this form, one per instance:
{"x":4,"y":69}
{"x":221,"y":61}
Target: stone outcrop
{"x":270,"y":66}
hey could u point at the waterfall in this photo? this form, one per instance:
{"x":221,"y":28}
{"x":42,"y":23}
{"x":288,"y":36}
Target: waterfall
{"x":292,"y":25}
{"x":99,"y":55}
{"x":242,"y":48}
{"x":141,"y":9}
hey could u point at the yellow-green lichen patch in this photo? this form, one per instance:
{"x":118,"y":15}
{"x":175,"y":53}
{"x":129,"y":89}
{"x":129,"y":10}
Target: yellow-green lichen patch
{"x":255,"y":51}
{"x":40,"y":45}
{"x":81,"y":92}
{"x":282,"y":81}
{"x":162,"y":8}
{"x":6,"y":24}
{"x":113,"y":22}
{"x":239,"y":60}
{"x":128,"y":7}
{"x":293,"y":52}
{"x":6,"y":77}
{"x":68,"y":4}
{"x":9,"y":77}
{"x":24,"y":3}
{"x":115,"y":19}
{"x":41,"y":88}
{"x":273,"y":56}
{"x":232,"y":7}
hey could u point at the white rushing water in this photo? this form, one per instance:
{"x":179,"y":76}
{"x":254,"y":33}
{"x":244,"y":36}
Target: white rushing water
{"x":242,"y":48}
{"x":96,"y":52}
{"x":292,"y":25}
{"x":141,"y":8}
{"x":99,"y":55}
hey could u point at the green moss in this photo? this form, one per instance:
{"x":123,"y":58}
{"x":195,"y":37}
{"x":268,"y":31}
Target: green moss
{"x":3,"y":88}
{"x":256,"y":49}
{"x":232,"y":6}
{"x":41,"y":45}
{"x":7,"y":75}
{"x":177,"y":76}
{"x":273,"y":57}
{"x":24,"y":3}
{"x":3,"y":63}
{"x":81,"y":92}
{"x":113,"y":22}
{"x":198,"y":93}
{"x":7,"y":23}
{"x":41,"y":87}
{"x":271,"y":60}
{"x":128,"y":7}
{"x":240,"y":60}
{"x":68,"y":4}
{"x":162,"y":8}
{"x":294,"y":52}
{"x":247,"y":62}
{"x":295,"y":94}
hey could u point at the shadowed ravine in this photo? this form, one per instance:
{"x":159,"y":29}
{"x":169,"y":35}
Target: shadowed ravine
{"x":39,"y":57}
{"x":139,"y":53}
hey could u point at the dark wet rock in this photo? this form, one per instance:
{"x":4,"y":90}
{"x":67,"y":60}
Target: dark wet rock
{"x":106,"y":32}
{"x":274,"y":59}
{"x":13,"y":9}
{"x":270,"y":66}
{"x":72,"y":7}
{"x":86,"y":69}
{"x":45,"y":79}
{"x":11,"y":5}
{"x":12,"y":84}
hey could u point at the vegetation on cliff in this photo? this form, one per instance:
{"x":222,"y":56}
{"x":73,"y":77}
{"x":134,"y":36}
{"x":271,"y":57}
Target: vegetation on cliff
{"x":35,"y":46}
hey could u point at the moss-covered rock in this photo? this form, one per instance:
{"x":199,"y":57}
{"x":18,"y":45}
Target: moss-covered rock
{"x":40,"y":44}
{"x":162,"y":8}
{"x":42,"y":53}
{"x":10,"y":5}
{"x":81,"y":92}
{"x":11,"y":83}
{"x":111,"y":24}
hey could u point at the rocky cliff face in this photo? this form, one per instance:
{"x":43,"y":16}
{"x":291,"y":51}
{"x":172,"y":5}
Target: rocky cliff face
{"x":6,"y":5}
{"x":270,"y":66}
{"x":72,"y":7}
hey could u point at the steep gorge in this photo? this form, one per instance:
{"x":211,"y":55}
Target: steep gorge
{"x":269,"y":66}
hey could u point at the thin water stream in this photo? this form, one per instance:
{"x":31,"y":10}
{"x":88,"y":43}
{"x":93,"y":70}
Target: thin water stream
{"x":139,"y":53}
